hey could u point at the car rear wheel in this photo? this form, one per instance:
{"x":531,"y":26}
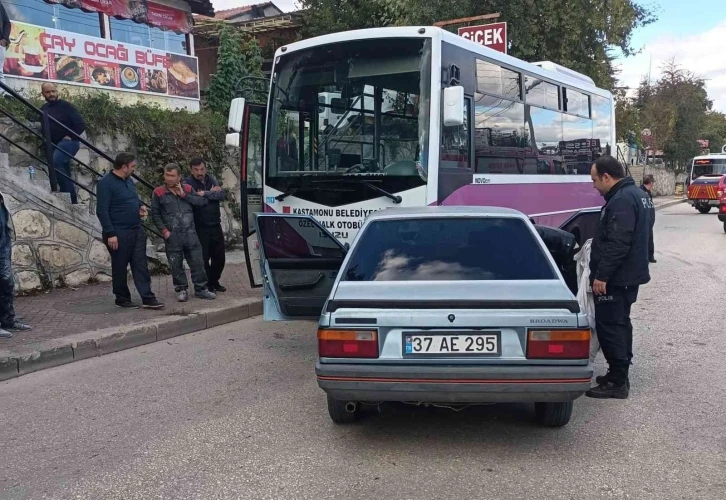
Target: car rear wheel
{"x":343,"y":412}
{"x":704,"y":209}
{"x":553,"y":414}
{"x":724,"y":227}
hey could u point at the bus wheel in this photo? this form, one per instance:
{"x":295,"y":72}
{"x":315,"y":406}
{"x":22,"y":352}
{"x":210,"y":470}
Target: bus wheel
{"x":704,"y":209}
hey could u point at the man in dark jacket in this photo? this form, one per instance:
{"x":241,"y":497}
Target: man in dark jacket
{"x":172,"y":213}
{"x":648,"y":187}
{"x":618,"y":266}
{"x":64,"y":136}
{"x":119,"y":211}
{"x":8,"y":321}
{"x":208,"y":221}
{"x":4,"y":42}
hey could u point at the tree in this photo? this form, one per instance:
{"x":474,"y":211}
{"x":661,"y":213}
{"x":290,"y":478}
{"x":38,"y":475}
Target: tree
{"x":714,"y":130}
{"x":675,"y":112}
{"x":239,"y":56}
{"x":575,"y":33}
{"x":627,"y":119}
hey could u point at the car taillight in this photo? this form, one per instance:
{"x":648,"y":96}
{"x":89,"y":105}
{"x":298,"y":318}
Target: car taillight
{"x":558,"y":344}
{"x":347,"y":343}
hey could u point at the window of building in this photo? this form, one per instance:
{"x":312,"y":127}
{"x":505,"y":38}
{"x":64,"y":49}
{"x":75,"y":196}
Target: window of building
{"x":541,"y":93}
{"x":493,"y":79}
{"x":54,"y":16}
{"x":128,"y":31}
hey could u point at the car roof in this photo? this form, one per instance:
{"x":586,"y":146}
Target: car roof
{"x":438,"y":211}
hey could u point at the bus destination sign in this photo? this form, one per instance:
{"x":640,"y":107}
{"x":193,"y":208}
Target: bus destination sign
{"x":492,"y":35}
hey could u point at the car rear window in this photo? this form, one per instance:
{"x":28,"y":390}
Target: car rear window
{"x":439,"y":249}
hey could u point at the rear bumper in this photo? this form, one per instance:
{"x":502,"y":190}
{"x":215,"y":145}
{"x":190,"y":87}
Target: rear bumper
{"x":445,"y":384}
{"x":711,"y":203}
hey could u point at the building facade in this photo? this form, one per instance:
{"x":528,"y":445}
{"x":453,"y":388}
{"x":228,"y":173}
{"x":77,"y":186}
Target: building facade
{"x":141,"y":51}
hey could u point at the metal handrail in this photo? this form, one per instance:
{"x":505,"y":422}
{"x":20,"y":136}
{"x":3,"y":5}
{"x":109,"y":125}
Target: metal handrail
{"x":49,"y":145}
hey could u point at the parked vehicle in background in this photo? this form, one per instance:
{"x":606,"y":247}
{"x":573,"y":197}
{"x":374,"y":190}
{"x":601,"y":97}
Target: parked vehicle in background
{"x":704,"y":181}
{"x":448,"y":306}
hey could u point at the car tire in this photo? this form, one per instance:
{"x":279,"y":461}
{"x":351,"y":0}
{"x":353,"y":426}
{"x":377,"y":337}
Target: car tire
{"x":704,"y":209}
{"x":553,"y":414}
{"x":339,"y":414}
{"x":724,"y":227}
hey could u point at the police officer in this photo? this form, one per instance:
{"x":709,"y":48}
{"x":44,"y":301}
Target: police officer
{"x":618,"y":266}
{"x":647,"y":187}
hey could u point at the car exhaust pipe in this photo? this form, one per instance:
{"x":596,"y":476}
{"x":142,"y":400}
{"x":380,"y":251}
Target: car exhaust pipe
{"x":351,"y":406}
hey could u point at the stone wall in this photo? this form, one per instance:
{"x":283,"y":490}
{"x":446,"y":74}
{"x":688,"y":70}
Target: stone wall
{"x":55,"y":244}
{"x":20,"y":161}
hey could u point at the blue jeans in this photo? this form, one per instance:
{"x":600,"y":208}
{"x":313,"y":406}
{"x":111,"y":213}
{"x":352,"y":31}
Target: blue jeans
{"x":7,"y":313}
{"x":62,"y":164}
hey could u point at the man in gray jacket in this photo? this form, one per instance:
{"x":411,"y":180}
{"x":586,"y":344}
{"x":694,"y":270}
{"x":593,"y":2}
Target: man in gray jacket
{"x":7,"y":285}
{"x":173,"y":215}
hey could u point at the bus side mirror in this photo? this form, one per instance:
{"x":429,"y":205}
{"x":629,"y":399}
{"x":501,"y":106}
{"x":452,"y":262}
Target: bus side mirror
{"x":236,"y":113}
{"x":454,"y":106}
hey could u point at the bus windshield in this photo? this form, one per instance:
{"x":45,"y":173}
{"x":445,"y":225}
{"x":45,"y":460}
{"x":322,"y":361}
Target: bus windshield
{"x":712,"y":166}
{"x":356,"y":107}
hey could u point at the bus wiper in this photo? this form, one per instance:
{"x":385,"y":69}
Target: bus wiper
{"x":396,"y":199}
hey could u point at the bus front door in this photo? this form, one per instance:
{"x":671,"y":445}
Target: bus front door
{"x":247,"y":124}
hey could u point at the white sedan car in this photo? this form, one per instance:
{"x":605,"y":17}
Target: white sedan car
{"x":440,"y":305}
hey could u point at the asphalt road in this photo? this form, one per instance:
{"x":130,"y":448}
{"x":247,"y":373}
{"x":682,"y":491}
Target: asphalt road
{"x":235,"y":412}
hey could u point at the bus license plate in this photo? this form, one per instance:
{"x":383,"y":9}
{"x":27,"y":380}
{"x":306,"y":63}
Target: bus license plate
{"x":452,"y":344}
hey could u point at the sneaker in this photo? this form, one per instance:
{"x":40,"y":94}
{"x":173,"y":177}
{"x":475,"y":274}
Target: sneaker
{"x":182,"y":296}
{"x":19,"y":327}
{"x":608,"y":390}
{"x":4,"y":334}
{"x":217,"y":288}
{"x":652,"y":260}
{"x":603,"y":379}
{"x":127,"y":305}
{"x":205,"y":294}
{"x":153,"y":304}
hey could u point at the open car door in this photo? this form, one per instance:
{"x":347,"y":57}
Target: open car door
{"x":583,"y":225}
{"x":247,"y":122}
{"x":300,"y":261}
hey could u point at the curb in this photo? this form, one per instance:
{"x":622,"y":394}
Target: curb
{"x":96,"y":343}
{"x":670,"y":204}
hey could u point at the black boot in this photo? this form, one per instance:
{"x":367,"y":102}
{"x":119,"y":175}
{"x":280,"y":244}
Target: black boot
{"x":602,"y":379}
{"x":608,"y":390}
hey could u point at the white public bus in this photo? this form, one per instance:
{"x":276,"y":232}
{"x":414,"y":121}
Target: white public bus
{"x":446,"y":122}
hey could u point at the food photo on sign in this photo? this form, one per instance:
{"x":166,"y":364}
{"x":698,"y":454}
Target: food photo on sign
{"x":131,"y":77}
{"x":183,"y":81}
{"x":67,"y":69}
{"x":25,"y":56}
{"x":102,"y":74}
{"x":155,"y":81}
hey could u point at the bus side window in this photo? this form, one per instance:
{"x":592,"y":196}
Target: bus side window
{"x":455,"y":142}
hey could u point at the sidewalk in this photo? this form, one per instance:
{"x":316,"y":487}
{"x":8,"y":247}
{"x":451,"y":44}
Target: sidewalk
{"x":64,"y":317}
{"x":667,"y":201}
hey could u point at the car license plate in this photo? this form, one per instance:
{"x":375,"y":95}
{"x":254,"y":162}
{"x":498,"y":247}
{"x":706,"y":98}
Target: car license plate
{"x":703,"y":201}
{"x":452,"y":344}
